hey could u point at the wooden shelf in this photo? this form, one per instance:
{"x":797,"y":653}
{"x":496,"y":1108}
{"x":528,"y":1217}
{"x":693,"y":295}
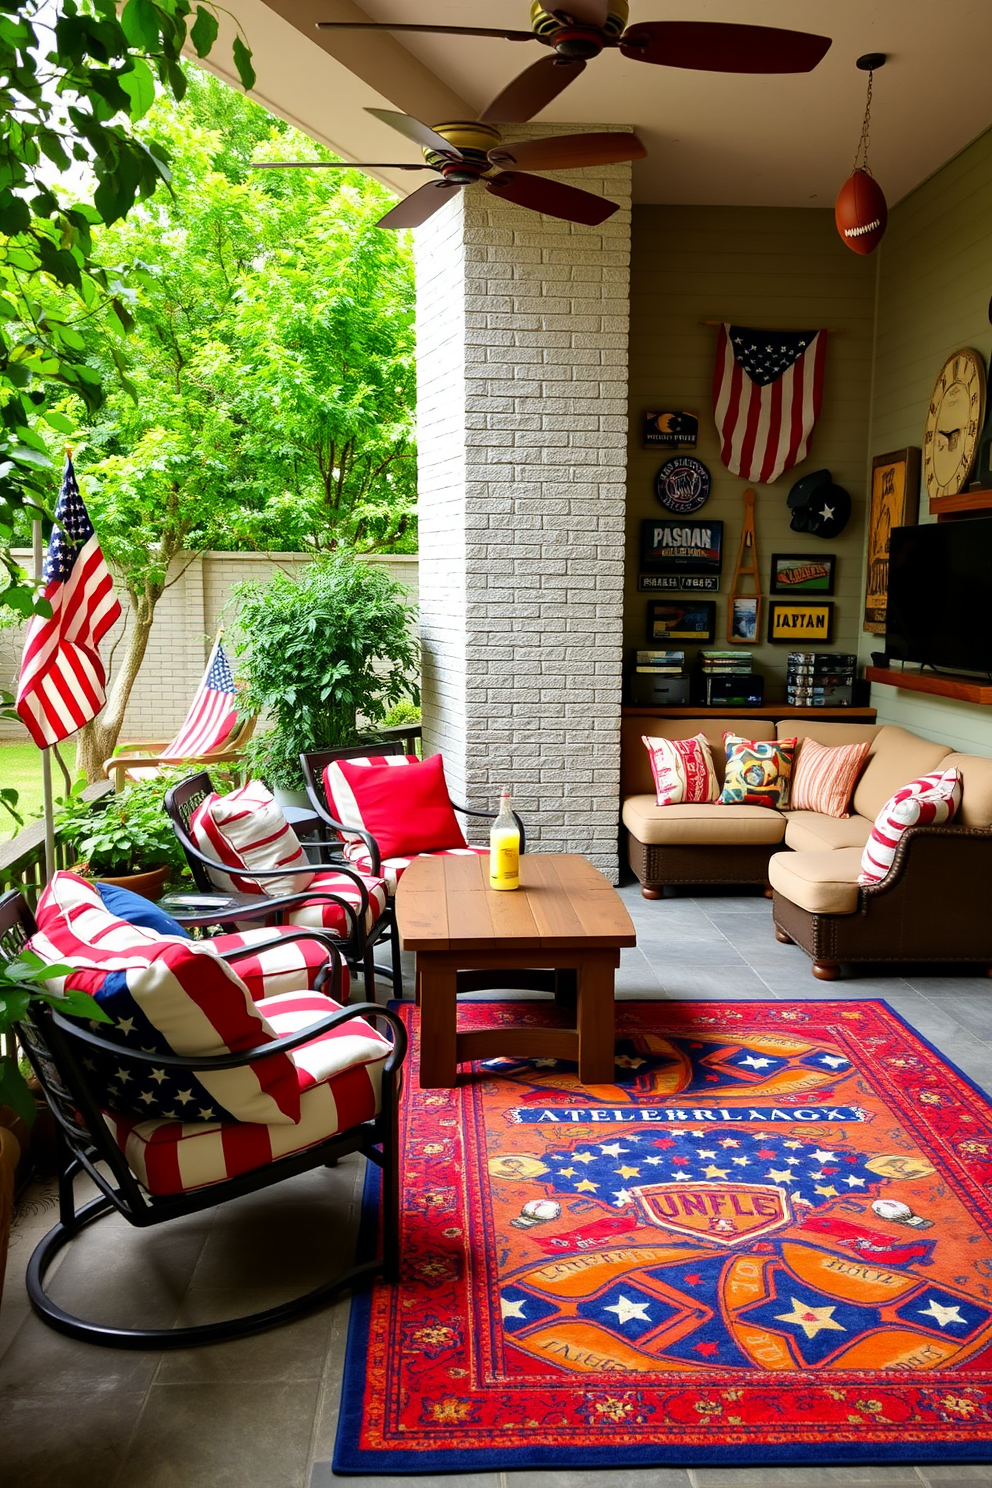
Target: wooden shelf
{"x":965,"y":504}
{"x":950,"y":687}
{"x":771,"y":711}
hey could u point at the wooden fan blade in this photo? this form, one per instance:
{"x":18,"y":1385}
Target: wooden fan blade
{"x":585,"y":12}
{"x":717,"y":46}
{"x":414,"y":130}
{"x":334,"y":165}
{"x":568,"y":152}
{"x":532,"y":91}
{"x":422,"y":204}
{"x":551,"y":198}
{"x":430,"y":30}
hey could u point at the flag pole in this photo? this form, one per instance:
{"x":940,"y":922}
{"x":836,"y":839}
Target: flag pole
{"x":46,"y":758}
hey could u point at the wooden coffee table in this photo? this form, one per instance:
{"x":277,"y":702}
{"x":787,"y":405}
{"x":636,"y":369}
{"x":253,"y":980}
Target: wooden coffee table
{"x":564,"y":918}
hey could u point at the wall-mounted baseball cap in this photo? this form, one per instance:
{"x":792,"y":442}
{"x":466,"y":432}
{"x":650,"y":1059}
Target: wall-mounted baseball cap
{"x":818,"y":506}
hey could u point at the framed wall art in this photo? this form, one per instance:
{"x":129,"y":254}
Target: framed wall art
{"x":683,"y":620}
{"x":893,"y":502}
{"x":670,"y":430}
{"x":804,"y":622}
{"x":681,"y":545}
{"x":745,"y":613}
{"x":803,"y":573}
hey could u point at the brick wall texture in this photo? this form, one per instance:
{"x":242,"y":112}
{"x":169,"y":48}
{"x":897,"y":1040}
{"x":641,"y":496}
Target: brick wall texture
{"x":522,"y":357}
{"x":186,"y":620}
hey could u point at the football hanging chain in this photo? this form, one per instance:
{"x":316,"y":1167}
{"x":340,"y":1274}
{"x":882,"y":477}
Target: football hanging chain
{"x":746,"y":567}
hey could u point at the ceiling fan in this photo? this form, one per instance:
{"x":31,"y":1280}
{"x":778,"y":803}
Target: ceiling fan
{"x":462,"y":153}
{"x":579,"y":30}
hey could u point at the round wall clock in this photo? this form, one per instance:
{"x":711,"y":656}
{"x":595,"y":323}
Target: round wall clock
{"x":954,"y":420}
{"x":682,"y":484}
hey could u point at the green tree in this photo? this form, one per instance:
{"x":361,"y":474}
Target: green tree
{"x":75,"y":77}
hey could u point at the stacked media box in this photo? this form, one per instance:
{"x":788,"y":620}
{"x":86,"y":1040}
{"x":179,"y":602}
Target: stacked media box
{"x":659,"y":679}
{"x":821,"y":679}
{"x":727,"y":679}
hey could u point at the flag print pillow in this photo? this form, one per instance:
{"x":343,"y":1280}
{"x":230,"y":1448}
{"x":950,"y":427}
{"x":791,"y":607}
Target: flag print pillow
{"x":758,"y":772}
{"x":682,"y":769}
{"x":247,"y":829}
{"x":925,"y":802}
{"x":167,"y":996}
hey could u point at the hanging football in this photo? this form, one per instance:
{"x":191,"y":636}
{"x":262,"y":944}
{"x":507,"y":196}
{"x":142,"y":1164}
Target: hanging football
{"x":861,"y":213}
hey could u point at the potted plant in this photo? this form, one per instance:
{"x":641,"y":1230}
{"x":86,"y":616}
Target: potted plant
{"x":123,"y":839}
{"x":324,"y":655}
{"x":22,"y":980}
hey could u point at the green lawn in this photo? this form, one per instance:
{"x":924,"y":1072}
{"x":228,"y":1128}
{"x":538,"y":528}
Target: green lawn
{"x":20,"y":768}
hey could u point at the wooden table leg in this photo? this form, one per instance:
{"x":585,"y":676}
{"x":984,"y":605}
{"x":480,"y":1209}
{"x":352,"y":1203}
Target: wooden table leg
{"x":438,"y":1025}
{"x":595,"y":1019}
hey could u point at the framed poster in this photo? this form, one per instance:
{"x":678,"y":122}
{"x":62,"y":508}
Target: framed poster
{"x":686,"y":620}
{"x":663,"y":583}
{"x":792,"y":621}
{"x":745,"y":610}
{"x":803,"y":573}
{"x":670,"y":430}
{"x":893,"y":502}
{"x":680,"y":546}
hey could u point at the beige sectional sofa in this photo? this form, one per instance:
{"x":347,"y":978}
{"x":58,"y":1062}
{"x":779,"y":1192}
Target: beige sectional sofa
{"x":935,"y":904}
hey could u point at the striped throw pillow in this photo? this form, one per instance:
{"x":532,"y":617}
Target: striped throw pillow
{"x":823,"y":778}
{"x":341,"y":799}
{"x":682,"y":769}
{"x":246,"y":830}
{"x":925,"y":802}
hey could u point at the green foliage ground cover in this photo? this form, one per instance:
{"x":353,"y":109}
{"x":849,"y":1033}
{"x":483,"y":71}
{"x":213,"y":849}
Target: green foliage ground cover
{"x":20,"y":770}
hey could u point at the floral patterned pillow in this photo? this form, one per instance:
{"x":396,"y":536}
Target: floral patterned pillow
{"x":758,"y":772}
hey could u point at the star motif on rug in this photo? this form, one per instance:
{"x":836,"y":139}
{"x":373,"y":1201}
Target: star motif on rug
{"x":758,"y":1064}
{"x":823,"y":1157}
{"x":812,"y":1320}
{"x":612,"y":1149}
{"x":511,"y":1309}
{"x":712,"y":1171}
{"x":942,"y":1315}
{"x":624,"y":1172}
{"x":625,"y":1309}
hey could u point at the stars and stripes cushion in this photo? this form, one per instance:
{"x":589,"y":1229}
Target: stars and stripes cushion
{"x":340,"y":1082}
{"x":245,"y":830}
{"x":166,"y":996}
{"x":393,"y":868}
{"x":341,"y":800}
{"x":408,"y":811}
{"x":925,"y":802}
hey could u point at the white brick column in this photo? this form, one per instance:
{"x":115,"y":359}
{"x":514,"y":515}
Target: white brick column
{"x":522,"y":357}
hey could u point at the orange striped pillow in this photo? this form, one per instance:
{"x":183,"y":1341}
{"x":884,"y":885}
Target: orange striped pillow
{"x":823,"y":779}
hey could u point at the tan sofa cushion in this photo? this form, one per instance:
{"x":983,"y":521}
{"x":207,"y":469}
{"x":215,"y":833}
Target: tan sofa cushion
{"x":898,"y":757}
{"x":635,"y":768}
{"x":697,"y":826}
{"x":821,"y":731}
{"x":820,"y":882}
{"x":808,"y":831}
{"x":976,"y":788}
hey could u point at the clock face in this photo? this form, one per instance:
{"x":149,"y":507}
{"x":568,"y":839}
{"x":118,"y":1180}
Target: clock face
{"x":954,"y":421}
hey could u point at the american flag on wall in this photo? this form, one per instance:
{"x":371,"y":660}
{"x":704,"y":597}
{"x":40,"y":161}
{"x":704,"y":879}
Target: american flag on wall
{"x":212,"y":713}
{"x":767,"y":391}
{"x":63,"y":681}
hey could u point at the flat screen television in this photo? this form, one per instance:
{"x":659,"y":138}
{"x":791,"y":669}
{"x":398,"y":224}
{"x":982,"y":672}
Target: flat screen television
{"x":940,"y":595}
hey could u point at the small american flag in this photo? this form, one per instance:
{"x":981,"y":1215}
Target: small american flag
{"x":63,"y":681}
{"x":767,"y":391}
{"x":212,"y":714}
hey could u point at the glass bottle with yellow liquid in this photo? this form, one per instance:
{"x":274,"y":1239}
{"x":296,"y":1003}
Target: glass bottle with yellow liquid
{"x":504,"y":847}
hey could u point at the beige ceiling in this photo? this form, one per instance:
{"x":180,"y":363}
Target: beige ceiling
{"x":712,"y":138}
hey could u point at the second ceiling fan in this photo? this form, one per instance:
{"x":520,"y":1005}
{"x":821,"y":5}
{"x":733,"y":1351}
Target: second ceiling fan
{"x":579,"y":30}
{"x":461,"y":154}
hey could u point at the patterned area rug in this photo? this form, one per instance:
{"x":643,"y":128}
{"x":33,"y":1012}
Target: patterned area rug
{"x":770,"y":1241}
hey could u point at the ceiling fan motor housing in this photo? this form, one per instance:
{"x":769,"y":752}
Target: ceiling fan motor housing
{"x":474,"y":139}
{"x":572,"y":41}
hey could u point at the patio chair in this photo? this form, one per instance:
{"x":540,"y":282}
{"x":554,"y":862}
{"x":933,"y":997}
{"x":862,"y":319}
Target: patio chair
{"x":143,"y":761}
{"x":348,"y":904}
{"x":137,"y":1161}
{"x":359,"y":846}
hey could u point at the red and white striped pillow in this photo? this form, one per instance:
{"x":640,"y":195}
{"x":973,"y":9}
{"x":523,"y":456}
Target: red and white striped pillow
{"x":246,"y":830}
{"x":341,"y":800}
{"x":925,"y":802}
{"x":407,"y":811}
{"x":823,"y":779}
{"x":682,"y":769}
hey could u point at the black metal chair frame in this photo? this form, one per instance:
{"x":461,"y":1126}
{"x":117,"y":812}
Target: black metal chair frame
{"x":358,"y":946}
{"x":86,"y":1144}
{"x":314,"y":765}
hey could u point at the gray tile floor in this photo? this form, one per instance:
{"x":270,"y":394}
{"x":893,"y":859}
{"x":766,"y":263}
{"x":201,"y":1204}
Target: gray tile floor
{"x":261,"y":1413}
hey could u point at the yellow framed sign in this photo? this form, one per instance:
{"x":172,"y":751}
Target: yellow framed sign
{"x":893,"y":502}
{"x":808,"y":624}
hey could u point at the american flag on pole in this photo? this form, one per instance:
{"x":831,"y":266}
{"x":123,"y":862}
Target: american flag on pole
{"x":63,"y":681}
{"x":212,"y":713}
{"x":767,"y":391}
